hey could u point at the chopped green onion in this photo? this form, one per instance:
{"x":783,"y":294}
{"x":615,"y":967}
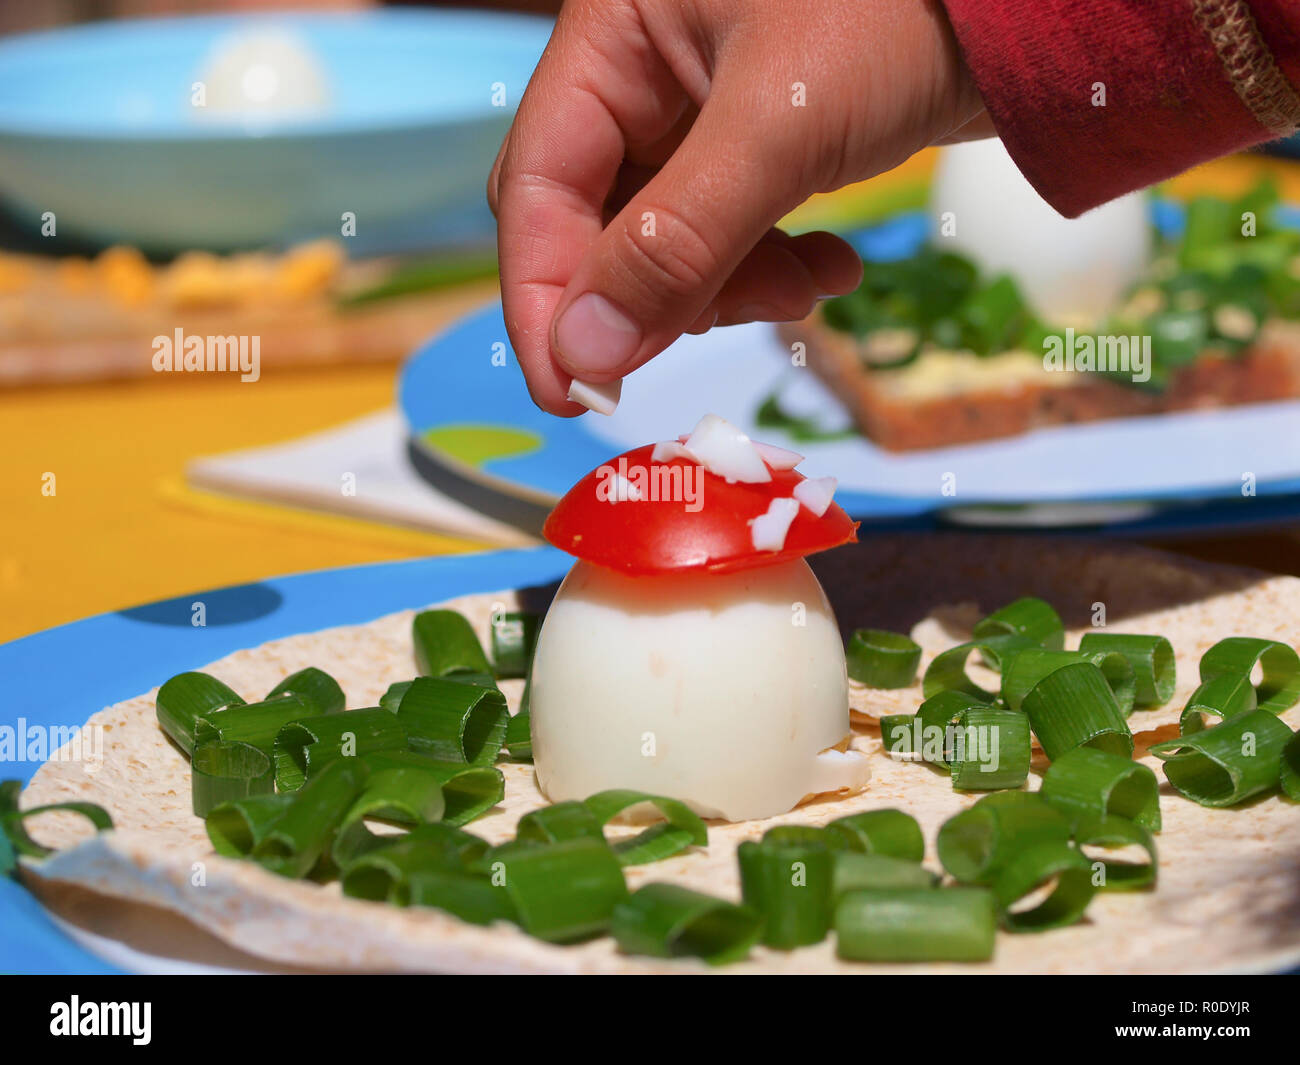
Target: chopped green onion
{"x":1225,"y":695}
{"x":471,"y":898}
{"x":558,"y":822}
{"x":892,"y":833}
{"x":1072,"y":707}
{"x":313,"y":684}
{"x":256,"y":724}
{"x":670,"y":921}
{"x":1226,"y":764}
{"x":1280,"y":688}
{"x":445,"y":643}
{"x":881,"y":659}
{"x":1152,"y":659}
{"x":392,"y":697}
{"x":975,"y":844}
{"x":993,"y":750}
{"x":1110,"y":831}
{"x":186,"y":698}
{"x":406,"y":796}
{"x":223,"y":771}
{"x":380,"y":872}
{"x":15,"y":832}
{"x":916,"y":924}
{"x":514,"y":635}
{"x":947,"y":670}
{"x":236,"y":828}
{"x":854,"y":872}
{"x":1033,"y":619}
{"x":454,"y":722}
{"x":1026,"y":668}
{"x":1290,"y":768}
{"x":303,"y":747}
{"x":293,"y":843}
{"x":680,"y":829}
{"x":791,"y":886}
{"x":468,"y":791}
{"x":562,"y":892}
{"x":519,"y":739}
{"x":1037,"y":865}
{"x":1085,"y":782}
{"x":804,"y":836}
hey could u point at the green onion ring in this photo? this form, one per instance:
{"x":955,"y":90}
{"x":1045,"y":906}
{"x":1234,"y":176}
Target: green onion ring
{"x":256,"y":724}
{"x":1029,"y":869}
{"x":1226,"y":764}
{"x":1072,"y":707}
{"x":519,"y":739}
{"x":454,"y":722}
{"x":470,"y":898}
{"x":223,"y":771}
{"x":380,"y":872}
{"x":1152,"y":659}
{"x":13,"y":828}
{"x":892,"y":833}
{"x":1290,"y":768}
{"x":670,"y":921}
{"x":236,"y":828}
{"x":681,"y":827}
{"x":293,"y":844}
{"x":855,"y":871}
{"x":302,"y":748}
{"x":469,"y":791}
{"x":1085,"y":782}
{"x":976,"y":844}
{"x":187,"y":697}
{"x":405,"y":796}
{"x":1026,"y":668}
{"x":513,"y":637}
{"x":1280,"y":688}
{"x":445,"y":643}
{"x":947,"y":670}
{"x":315,"y":685}
{"x":791,"y":885}
{"x":1033,"y":619}
{"x":562,"y":892}
{"x":882,"y":659}
{"x":916,"y":924}
{"x":392,"y":697}
{"x":558,"y":822}
{"x":1110,"y":831}
{"x":993,"y":750}
{"x":1225,"y":695}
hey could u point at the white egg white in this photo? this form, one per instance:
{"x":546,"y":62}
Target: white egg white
{"x":721,"y":690}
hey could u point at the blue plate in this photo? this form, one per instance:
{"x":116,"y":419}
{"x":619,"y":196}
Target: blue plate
{"x":97,"y":126}
{"x":1170,"y":472}
{"x":120,"y":655}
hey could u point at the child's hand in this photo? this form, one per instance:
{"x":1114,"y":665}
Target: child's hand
{"x":660,"y":140}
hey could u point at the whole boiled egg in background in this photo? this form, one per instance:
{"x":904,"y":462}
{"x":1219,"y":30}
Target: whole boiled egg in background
{"x":263,"y":71}
{"x":1073,"y":271}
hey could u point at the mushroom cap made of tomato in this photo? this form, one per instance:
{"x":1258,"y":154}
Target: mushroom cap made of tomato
{"x":680,"y":516}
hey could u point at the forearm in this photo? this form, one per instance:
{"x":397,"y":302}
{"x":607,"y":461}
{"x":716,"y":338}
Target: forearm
{"x":1099,"y":98}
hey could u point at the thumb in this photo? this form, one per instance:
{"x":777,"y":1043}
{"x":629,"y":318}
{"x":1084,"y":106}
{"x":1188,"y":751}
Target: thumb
{"x":660,"y":262}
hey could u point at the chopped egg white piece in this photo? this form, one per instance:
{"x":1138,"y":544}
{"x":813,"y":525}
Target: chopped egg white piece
{"x":694,"y":686}
{"x":726,"y":451}
{"x":779,"y":458}
{"x":667,"y":450}
{"x":603,"y":399}
{"x":769,"y":529}
{"x":816,"y":493}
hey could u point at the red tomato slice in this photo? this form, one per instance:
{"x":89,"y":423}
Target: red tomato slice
{"x":660,"y":533}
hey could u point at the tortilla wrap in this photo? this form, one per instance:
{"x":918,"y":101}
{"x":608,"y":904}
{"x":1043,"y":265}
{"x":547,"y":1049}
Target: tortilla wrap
{"x":1229,"y":885}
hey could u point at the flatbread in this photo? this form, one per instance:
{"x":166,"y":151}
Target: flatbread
{"x":1226,"y":898}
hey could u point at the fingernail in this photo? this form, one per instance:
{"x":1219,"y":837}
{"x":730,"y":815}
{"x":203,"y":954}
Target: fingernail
{"x":593,"y":334}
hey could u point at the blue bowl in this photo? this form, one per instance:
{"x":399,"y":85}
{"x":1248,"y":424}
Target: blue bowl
{"x":96,"y":126}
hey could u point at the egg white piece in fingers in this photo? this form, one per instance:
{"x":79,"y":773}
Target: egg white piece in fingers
{"x":722,"y":690}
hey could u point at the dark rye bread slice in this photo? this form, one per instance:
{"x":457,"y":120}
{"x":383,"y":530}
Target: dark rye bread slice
{"x":1270,"y":370}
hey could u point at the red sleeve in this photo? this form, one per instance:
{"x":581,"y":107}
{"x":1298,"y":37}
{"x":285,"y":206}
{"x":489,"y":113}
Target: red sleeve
{"x":1183,"y":81}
